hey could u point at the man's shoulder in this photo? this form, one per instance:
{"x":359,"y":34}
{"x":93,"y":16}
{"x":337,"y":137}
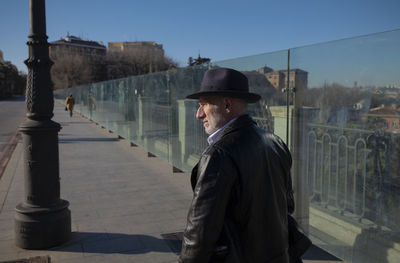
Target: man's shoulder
{"x":219,"y":151}
{"x":214,"y":158}
{"x":213,"y":150}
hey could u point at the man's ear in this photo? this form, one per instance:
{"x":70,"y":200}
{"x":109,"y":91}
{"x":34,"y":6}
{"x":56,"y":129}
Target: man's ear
{"x":228,"y":104}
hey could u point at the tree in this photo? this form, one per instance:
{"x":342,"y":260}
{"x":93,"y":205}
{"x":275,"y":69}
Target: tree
{"x":124,"y":63}
{"x":12,"y":82}
{"x":71,"y":70}
{"x":330,"y":99}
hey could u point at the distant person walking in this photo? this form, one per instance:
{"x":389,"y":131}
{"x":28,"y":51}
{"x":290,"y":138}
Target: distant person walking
{"x":69,"y":104}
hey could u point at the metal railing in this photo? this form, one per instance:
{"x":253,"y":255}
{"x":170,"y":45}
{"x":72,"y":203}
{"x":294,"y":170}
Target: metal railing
{"x":344,"y":165}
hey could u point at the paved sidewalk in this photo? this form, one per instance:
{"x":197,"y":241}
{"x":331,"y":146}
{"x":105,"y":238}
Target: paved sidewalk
{"x":121,"y":201}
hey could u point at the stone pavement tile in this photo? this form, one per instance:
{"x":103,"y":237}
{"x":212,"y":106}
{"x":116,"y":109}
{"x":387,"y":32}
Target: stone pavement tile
{"x":159,"y":207}
{"x":10,"y":204}
{"x":91,"y":226}
{"x":81,"y":214}
{"x":9,"y":207}
{"x":133,"y":219}
{"x":136,"y":229}
{"x":9,"y":257}
{"x":6,"y":219}
{"x":172,"y":226}
{"x":7,"y":216}
{"x":77,"y":197}
{"x":8,"y":247}
{"x":13,"y":165}
{"x":74,"y":226}
{"x":180,"y":205}
{"x":154,"y":242}
{"x":16,"y":194}
{"x":66,"y":251}
{"x":155,"y":257}
{"x":109,"y":201}
{"x":3,"y":194}
{"x":61,"y":255}
{"x":142,"y":228}
{"x":6,"y":230}
{"x":173,"y":197}
{"x":119,"y":211}
{"x":10,"y":251}
{"x":179,"y":214}
{"x":151,"y":257}
{"x":151,"y":217}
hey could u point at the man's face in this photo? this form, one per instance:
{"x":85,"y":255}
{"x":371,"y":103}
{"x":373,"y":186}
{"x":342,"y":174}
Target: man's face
{"x":212,"y":111}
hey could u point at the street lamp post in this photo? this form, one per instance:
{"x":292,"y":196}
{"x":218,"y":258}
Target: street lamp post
{"x":42,"y":220}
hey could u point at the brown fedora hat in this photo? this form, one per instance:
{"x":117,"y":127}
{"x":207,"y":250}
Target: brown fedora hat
{"x":225,"y":82}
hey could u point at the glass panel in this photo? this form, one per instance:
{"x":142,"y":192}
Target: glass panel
{"x":156,"y":110}
{"x":135,"y":90}
{"x":347,"y":146}
{"x":100,"y":113}
{"x":151,"y":110}
{"x":343,"y":104}
{"x":188,"y":139}
{"x":121,"y":108}
{"x":267,"y":77}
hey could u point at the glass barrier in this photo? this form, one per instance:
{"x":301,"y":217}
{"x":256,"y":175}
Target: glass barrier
{"x":347,"y":146}
{"x":267,"y":77}
{"x":337,"y":107}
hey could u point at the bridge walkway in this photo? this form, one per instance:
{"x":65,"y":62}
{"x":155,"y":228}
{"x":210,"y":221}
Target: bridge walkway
{"x":125,"y":206}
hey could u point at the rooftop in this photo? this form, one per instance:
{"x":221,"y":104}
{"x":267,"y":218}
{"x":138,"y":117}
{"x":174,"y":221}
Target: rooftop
{"x":73,"y":40}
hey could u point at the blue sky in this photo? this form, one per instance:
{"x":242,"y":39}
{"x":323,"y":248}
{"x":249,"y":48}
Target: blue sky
{"x":219,"y":29}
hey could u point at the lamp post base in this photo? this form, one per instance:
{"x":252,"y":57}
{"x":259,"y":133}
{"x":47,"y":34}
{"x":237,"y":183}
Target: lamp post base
{"x":42,"y":227}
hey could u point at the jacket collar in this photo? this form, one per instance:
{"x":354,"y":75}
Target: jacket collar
{"x":241,"y":122}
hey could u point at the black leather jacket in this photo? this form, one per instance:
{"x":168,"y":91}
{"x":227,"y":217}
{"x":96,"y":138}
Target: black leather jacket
{"x":241,"y":187}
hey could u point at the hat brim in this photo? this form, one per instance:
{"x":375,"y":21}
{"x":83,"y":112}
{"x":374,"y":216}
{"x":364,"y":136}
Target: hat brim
{"x":247,"y":96}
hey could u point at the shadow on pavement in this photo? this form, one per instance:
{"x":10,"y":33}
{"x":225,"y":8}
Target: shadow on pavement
{"x":16,"y":98}
{"x":316,"y":253}
{"x":108,"y":243}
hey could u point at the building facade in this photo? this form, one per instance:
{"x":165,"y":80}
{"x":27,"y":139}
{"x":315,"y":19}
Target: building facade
{"x":137,"y":47}
{"x":278,"y":78}
{"x":72,"y":45}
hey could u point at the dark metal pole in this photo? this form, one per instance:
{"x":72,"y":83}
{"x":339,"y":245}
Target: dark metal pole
{"x":42,"y":220}
{"x":287,"y":98}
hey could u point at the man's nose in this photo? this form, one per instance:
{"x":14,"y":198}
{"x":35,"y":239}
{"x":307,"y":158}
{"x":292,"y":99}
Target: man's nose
{"x":200,"y":113}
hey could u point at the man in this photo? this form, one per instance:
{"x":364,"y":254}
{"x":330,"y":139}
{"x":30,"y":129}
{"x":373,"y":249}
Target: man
{"x":242,"y":186}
